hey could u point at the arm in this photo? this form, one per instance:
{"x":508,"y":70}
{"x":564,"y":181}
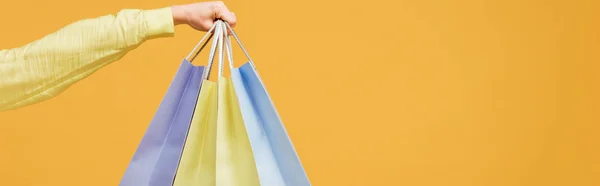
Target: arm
{"x":42,"y":69}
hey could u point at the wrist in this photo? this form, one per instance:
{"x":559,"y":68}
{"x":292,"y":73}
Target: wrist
{"x":179,"y":15}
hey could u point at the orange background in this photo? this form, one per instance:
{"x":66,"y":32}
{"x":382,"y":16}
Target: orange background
{"x":440,"y":92}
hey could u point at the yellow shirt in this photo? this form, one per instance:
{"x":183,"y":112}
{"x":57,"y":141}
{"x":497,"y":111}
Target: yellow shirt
{"x":46,"y":67}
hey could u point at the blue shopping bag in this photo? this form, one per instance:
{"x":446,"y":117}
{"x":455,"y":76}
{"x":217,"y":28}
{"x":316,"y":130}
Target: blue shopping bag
{"x":156,"y":159}
{"x":276,"y":159}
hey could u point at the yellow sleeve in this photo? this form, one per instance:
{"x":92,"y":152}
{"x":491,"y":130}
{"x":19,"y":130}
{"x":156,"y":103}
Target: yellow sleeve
{"x":46,"y":67}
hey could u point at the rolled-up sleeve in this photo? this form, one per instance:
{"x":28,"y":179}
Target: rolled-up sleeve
{"x":46,"y":67}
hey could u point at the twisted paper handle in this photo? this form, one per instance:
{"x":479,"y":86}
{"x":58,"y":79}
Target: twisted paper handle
{"x":228,"y":43}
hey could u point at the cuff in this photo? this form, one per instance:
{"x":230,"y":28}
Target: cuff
{"x":159,"y":22}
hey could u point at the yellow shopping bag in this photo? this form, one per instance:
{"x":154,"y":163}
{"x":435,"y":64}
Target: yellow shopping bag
{"x":235,"y":160}
{"x":197,"y":165}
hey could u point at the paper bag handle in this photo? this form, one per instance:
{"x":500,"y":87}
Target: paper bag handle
{"x":218,"y":35}
{"x":208,"y":35}
{"x":239,"y":43}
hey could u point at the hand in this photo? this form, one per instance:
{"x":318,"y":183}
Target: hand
{"x":201,"y":16}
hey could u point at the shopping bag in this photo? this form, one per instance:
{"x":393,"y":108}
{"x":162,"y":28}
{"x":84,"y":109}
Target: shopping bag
{"x":217,"y":151}
{"x":235,"y":159}
{"x":276,"y":159}
{"x":198,"y":160}
{"x":157,"y":157}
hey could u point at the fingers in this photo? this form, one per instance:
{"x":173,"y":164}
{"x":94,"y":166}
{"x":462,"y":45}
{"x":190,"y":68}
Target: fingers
{"x":221,"y":12}
{"x":234,"y":18}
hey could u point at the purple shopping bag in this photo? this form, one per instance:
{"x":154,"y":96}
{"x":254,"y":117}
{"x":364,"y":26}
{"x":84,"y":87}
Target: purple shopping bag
{"x":157,"y":157}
